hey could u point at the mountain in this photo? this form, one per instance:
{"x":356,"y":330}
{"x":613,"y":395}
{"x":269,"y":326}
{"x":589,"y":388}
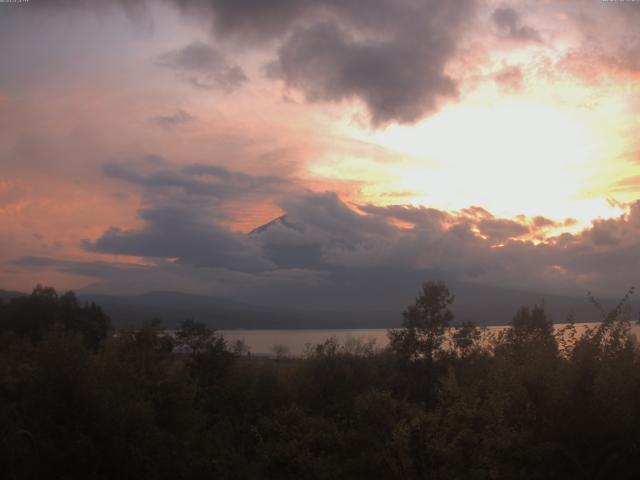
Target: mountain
{"x":483,"y":304}
{"x":173,"y":307}
{"x":281,"y":220}
{"x":385,"y":292}
{"x":312,"y":294}
{"x":7,"y":295}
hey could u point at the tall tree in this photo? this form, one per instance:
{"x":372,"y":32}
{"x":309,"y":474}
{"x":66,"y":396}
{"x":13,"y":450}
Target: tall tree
{"x":424,"y":323}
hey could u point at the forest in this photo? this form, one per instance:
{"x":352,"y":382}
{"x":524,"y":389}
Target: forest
{"x":81,"y":400}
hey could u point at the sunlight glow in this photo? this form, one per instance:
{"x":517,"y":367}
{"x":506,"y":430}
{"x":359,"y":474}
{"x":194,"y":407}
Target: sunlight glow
{"x":513,"y":157}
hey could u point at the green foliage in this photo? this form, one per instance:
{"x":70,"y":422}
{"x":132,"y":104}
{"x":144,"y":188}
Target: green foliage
{"x":441,"y":402}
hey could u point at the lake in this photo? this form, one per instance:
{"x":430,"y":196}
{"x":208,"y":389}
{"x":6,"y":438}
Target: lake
{"x":261,"y":342}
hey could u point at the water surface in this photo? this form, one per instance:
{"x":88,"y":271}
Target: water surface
{"x":294,"y":342}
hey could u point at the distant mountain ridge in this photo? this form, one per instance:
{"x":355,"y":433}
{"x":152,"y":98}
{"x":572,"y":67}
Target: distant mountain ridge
{"x":173,"y":307}
{"x":482,"y":304}
{"x":7,"y":295}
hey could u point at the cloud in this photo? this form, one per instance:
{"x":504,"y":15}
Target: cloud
{"x":329,"y":65}
{"x":393,"y":61}
{"x":509,"y":78}
{"x":316,"y":226}
{"x":543,"y":222}
{"x":180,"y":234}
{"x":470,"y":245}
{"x":499,"y":229}
{"x":391,"y":56}
{"x":184,"y":208}
{"x":157,"y":175}
{"x":628,"y":184}
{"x":610,"y":40}
{"x":136,"y":10}
{"x":247,"y":21}
{"x":173,"y":120}
{"x":86,"y":268}
{"x":336,"y":237}
{"x":418,"y":215}
{"x":325,"y":253}
{"x":203,"y":67}
{"x":604,"y":233}
{"x":509,"y":24}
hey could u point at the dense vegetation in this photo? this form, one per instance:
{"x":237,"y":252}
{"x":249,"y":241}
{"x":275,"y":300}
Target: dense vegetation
{"x":78,"y":401}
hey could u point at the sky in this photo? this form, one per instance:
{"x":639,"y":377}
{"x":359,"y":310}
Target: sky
{"x":489,"y":142}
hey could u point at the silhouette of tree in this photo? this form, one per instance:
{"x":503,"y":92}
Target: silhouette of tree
{"x":34,"y":316}
{"x":465,"y":338}
{"x":280,"y":350}
{"x":424,"y":323}
{"x":132,"y":406}
{"x":193,"y":335}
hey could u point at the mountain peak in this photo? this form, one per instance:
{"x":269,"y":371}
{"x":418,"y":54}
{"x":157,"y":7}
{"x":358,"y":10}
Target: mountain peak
{"x":281,"y":220}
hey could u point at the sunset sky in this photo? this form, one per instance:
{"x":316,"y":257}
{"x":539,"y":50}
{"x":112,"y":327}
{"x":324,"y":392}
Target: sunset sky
{"x":491,"y":142}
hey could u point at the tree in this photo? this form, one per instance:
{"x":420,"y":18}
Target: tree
{"x":280,"y":350}
{"x":89,"y":320}
{"x":194,"y":335}
{"x":531,"y":333}
{"x":34,"y":316}
{"x":424,"y":323}
{"x":465,"y":338}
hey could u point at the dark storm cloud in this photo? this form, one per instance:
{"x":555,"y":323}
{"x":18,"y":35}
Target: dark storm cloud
{"x":604,"y":233}
{"x":315,"y":227}
{"x":247,"y":21}
{"x":607,"y":253}
{"x":204,"y":67}
{"x":510,"y":25}
{"x":181,"y":234}
{"x":183,"y":212}
{"x":338,"y":237}
{"x":393,"y":63}
{"x":440,"y":241}
{"x":326,"y":212}
{"x":390,"y":55}
{"x":321,"y":241}
{"x":397,"y":82}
